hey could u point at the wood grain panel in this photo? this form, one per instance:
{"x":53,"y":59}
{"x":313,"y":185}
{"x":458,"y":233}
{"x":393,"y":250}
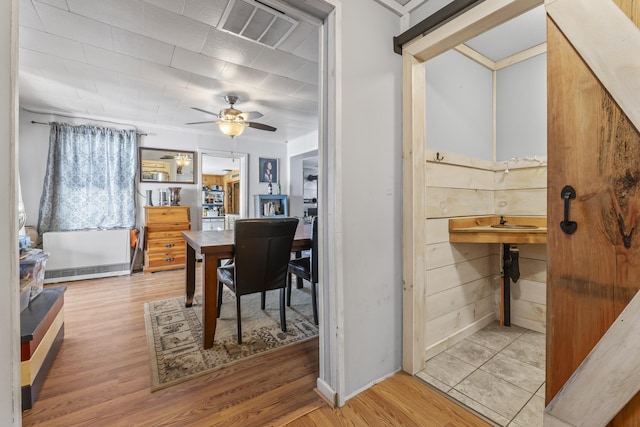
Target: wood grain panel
{"x":521,"y":202}
{"x":451,"y":176}
{"x":447,"y":202}
{"x":441,"y":279}
{"x":519,"y":179}
{"x":443,"y":254}
{"x":455,"y":298}
{"x":595,"y":148}
{"x":445,"y":331}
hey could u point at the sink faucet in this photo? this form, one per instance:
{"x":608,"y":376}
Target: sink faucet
{"x":502,"y":220}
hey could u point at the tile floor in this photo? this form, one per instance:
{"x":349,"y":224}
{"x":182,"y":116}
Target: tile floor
{"x":498,"y":371}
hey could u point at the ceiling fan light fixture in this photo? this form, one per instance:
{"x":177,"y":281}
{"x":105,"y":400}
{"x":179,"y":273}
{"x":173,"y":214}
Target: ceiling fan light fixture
{"x":231,"y":128}
{"x":182,"y":160}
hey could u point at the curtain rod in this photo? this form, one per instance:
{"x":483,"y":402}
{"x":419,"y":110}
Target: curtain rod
{"x":49,"y":123}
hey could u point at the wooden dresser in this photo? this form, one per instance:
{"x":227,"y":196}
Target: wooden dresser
{"x":164,"y":247}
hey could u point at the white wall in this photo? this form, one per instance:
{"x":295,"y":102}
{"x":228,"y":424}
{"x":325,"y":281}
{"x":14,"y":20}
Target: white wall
{"x":521,"y":109}
{"x":459,"y":110}
{"x":10,"y":396}
{"x":34,"y":145}
{"x":370,"y":187}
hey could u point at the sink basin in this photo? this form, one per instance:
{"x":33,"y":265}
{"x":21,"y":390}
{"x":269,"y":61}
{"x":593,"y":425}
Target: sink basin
{"x":514,"y":226}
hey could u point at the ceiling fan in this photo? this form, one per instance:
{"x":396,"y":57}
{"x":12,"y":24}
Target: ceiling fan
{"x":231,"y":121}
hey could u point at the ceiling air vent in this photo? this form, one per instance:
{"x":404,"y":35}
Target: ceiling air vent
{"x":256,"y":21}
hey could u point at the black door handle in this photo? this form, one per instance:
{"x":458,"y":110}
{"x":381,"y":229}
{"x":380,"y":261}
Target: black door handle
{"x":568,"y":193}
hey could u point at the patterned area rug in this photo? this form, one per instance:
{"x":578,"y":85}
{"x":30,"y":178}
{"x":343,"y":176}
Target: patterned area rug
{"x":174,"y":333}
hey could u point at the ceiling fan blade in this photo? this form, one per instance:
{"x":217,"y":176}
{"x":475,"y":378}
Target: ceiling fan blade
{"x":260,"y":126}
{"x":199,"y":123}
{"x":250,"y":115}
{"x":204,"y":111}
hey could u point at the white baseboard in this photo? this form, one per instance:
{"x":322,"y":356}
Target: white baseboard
{"x":463,"y":333}
{"x":374,"y":382}
{"x":327,"y":392}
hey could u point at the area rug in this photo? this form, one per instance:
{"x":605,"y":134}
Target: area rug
{"x":174,"y":333}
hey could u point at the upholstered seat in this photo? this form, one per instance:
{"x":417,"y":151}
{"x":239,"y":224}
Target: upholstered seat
{"x":262,"y":253}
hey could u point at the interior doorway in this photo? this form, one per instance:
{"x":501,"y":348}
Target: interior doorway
{"x":223,"y":181}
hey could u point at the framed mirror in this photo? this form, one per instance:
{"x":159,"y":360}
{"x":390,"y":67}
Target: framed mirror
{"x":162,"y":165}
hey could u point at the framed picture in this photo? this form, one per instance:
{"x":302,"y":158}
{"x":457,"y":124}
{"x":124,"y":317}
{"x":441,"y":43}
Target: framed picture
{"x":268,"y":170}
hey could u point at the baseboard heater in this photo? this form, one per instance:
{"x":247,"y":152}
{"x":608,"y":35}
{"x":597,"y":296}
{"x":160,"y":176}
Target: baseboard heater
{"x":86,"y":254}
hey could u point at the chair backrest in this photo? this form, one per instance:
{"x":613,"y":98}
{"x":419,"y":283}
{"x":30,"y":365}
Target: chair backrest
{"x":314,"y":249}
{"x":262,"y":253}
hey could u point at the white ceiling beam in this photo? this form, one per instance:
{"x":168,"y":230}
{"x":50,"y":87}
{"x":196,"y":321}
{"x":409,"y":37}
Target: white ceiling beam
{"x":522,"y":56}
{"x":472,"y":23}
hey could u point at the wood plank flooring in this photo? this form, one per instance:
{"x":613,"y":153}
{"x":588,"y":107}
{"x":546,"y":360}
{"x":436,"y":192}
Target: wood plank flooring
{"x":101,"y":376}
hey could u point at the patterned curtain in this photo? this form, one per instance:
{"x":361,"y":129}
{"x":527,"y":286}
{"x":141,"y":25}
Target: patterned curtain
{"x":90,"y":179}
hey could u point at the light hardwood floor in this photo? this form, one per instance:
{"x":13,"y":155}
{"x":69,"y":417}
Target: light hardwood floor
{"x":101,"y":376}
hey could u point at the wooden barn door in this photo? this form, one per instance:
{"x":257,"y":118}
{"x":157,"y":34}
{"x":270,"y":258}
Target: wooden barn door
{"x":594,"y":148}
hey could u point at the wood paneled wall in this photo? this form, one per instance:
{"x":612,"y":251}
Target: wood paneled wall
{"x":462,"y":288}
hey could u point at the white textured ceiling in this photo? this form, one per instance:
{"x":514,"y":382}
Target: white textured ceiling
{"x":150,"y":61}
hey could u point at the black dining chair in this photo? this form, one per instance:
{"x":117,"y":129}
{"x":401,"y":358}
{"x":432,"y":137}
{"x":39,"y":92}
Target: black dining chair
{"x":262,"y":253}
{"x":307,"y":268}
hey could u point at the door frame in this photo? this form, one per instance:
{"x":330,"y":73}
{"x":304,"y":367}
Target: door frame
{"x":415,"y":53}
{"x":244,"y":187}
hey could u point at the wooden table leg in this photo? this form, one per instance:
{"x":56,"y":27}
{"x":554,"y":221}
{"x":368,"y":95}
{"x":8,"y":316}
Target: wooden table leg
{"x":209,"y":298}
{"x":190,"y":271}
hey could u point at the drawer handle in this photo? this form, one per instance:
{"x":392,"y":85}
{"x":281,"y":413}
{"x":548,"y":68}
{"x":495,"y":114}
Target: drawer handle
{"x":169,"y":245}
{"x":170,"y":259}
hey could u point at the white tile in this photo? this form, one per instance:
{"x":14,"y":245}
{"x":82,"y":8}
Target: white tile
{"x":526,"y":352}
{"x":112,"y":60}
{"x":230,"y":48}
{"x":447,"y":369}
{"x":281,"y":84}
{"x":206,"y":11}
{"x":308,"y":92}
{"x":308,"y":73}
{"x":249,"y":76}
{"x":175,"y":6}
{"x":498,"y":395}
{"x":277,"y":62}
{"x":125,"y":14}
{"x":174,"y":29}
{"x":164,"y":74}
{"x":142,"y":47}
{"x":60,"y":4}
{"x":470,"y":352}
{"x":77,"y":70}
{"x":309,"y":49}
{"x":479,"y":408}
{"x":142,"y":85}
{"x":192,"y":62}
{"x":299,"y":34}
{"x":432,"y":381}
{"x":28,"y":16}
{"x":30,"y":58}
{"x":531,"y":415}
{"x":519,"y":373}
{"x":305,"y":105}
{"x":69,"y":25}
{"x":50,"y":44}
{"x":45,"y":86}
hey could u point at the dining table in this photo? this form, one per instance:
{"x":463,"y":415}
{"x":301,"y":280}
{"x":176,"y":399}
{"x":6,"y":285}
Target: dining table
{"x":216,"y":246}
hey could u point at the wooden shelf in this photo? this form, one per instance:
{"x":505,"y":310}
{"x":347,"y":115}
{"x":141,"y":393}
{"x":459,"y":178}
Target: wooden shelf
{"x":480,"y":230}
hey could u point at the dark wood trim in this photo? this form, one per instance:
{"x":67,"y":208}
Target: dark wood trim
{"x":430,"y":23}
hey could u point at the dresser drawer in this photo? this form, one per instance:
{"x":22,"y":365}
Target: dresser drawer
{"x":166,"y":214}
{"x":164,"y":235}
{"x":176,"y":260}
{"x":166,"y":245}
